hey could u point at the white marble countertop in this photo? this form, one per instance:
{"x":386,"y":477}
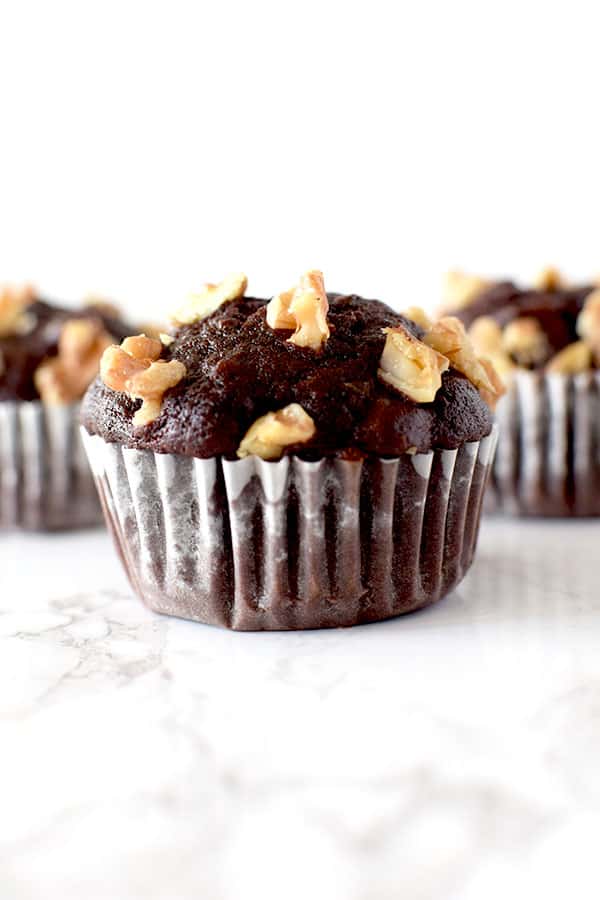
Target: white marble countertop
{"x":450,"y":754}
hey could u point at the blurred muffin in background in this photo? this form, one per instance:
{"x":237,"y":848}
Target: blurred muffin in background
{"x":48,"y":357}
{"x":544,"y":340}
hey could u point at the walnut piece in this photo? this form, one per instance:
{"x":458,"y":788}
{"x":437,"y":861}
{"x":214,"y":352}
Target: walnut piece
{"x":410,"y":366}
{"x":486,"y":336}
{"x":549,"y":280}
{"x":210,"y":298}
{"x":140,"y":346}
{"x":278,"y":311}
{"x":574,"y":359}
{"x":448,"y":337}
{"x":492,"y":397}
{"x":526,"y":342}
{"x":64,"y":378}
{"x":418,"y":315}
{"x":460,"y":289}
{"x":273,"y":432}
{"x":304,"y":308}
{"x":13,"y":309}
{"x":135,"y":369}
{"x":588,"y":322}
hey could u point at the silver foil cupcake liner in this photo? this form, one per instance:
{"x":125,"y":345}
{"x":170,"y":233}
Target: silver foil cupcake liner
{"x":45,"y":478}
{"x":548,"y":459}
{"x":254,"y":545}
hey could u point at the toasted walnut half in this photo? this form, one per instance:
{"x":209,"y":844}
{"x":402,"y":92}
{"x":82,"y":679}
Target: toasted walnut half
{"x":13,"y":309}
{"x":304,"y":308}
{"x":210,"y":298}
{"x":64,"y":378}
{"x":588,"y":322}
{"x":526,"y":342}
{"x":461,"y":289}
{"x":410,"y":366}
{"x":271,"y":434}
{"x":574,"y":359}
{"x":549,"y":279}
{"x":135,"y":369}
{"x":418,"y":315}
{"x":448,"y":337}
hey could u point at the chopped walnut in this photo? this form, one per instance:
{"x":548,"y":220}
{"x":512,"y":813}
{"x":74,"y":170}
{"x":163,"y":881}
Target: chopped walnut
{"x":499,"y":386}
{"x":486,"y":336}
{"x":418,"y":315}
{"x":526,"y":342}
{"x":410,"y":366}
{"x":588,"y":322}
{"x":549,"y":280}
{"x":273,"y":432}
{"x":574,"y":359}
{"x":448,"y":337}
{"x":64,"y":378}
{"x":142,"y":347}
{"x":278,"y":311}
{"x":13,"y":309}
{"x":461,"y":289}
{"x":303,"y":308}
{"x":210,"y":298}
{"x":135,"y":369}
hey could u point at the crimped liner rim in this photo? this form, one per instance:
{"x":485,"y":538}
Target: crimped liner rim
{"x":255,"y":545}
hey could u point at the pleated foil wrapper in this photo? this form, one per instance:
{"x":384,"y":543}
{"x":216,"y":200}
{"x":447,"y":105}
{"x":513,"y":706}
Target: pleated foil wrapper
{"x":254,"y":545}
{"x":45,"y":478}
{"x":548,"y":459}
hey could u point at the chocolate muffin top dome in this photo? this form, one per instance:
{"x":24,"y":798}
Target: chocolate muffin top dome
{"x":550,"y":326}
{"x":307,"y":372}
{"x":48,"y":352}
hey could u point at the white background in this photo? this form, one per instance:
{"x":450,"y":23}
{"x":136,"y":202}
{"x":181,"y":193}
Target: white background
{"x":147,"y":147}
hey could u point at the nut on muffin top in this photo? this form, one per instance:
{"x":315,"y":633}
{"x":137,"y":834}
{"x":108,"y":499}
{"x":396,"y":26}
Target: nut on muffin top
{"x":306,"y":372}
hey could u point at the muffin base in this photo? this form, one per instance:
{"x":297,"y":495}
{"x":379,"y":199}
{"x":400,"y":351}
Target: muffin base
{"x":254,"y":545}
{"x":548,"y":459}
{"x":45,"y":479}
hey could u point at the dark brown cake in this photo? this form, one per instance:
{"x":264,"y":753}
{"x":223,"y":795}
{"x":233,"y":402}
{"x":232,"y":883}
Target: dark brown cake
{"x":363,"y":456}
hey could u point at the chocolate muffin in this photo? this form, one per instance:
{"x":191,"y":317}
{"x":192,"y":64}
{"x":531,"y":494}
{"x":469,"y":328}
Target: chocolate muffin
{"x":545,"y":342}
{"x":310,"y":461}
{"x":48,"y":357}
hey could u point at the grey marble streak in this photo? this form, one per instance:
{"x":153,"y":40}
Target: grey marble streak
{"x":450,"y":754}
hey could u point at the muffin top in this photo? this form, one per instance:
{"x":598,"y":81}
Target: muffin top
{"x":51,"y":353}
{"x":550,"y":326}
{"x":307,"y":372}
